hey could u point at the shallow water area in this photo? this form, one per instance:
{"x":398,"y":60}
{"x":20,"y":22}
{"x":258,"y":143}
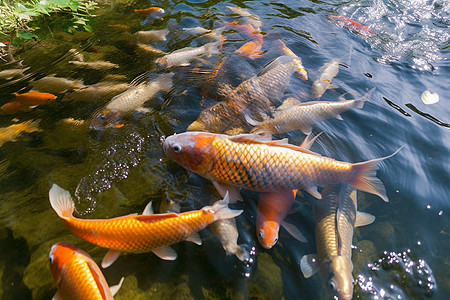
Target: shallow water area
{"x":400,"y":48}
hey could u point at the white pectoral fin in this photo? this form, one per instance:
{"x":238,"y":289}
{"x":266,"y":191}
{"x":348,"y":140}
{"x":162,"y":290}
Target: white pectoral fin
{"x":115,"y":288}
{"x":110,"y":257}
{"x":294,"y":232}
{"x":306,"y":130}
{"x":339,"y":117}
{"x":363,"y":219}
{"x":233,"y":191}
{"x":194,"y":238}
{"x":148,"y":210}
{"x":57,"y":296}
{"x":165,"y":252}
{"x":313,"y":192}
{"x":309,"y":265}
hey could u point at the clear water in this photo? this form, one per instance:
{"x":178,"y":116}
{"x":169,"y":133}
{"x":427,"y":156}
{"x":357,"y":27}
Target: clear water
{"x":117,"y":171}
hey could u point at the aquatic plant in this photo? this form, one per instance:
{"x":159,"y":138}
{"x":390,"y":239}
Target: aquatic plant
{"x":21,"y":19}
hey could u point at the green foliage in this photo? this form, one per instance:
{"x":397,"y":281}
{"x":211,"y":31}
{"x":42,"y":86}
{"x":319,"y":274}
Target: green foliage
{"x":17,"y":17}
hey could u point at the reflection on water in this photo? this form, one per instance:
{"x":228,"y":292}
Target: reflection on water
{"x":117,"y":171}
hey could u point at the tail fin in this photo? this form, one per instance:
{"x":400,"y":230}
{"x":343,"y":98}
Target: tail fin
{"x":165,"y":81}
{"x":359,"y":103}
{"x":222,"y":211}
{"x":366,"y":180}
{"x":32,"y":126}
{"x":61,"y":201}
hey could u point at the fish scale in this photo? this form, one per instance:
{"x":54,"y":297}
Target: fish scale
{"x":140,"y":234}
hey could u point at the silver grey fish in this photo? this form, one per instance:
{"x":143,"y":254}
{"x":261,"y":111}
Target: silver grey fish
{"x":94,"y":65}
{"x":55,"y":85}
{"x":329,"y":71}
{"x":303,"y":116}
{"x":184,"y":56}
{"x":151,"y":35}
{"x":227,"y":233}
{"x":12,"y":73}
{"x":336,"y":217}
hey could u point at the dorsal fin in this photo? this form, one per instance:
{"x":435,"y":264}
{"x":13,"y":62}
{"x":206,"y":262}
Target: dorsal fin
{"x":144,"y":218}
{"x":261,"y":139}
{"x":281,"y":60}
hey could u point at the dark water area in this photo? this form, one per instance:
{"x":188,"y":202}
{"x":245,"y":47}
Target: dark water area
{"x":116,"y":171}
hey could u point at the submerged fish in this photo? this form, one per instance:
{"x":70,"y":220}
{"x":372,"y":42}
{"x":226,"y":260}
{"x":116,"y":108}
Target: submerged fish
{"x":12,"y":73}
{"x":254,"y":163}
{"x":98,"y":91}
{"x":139,"y":233}
{"x":150,"y":10}
{"x":196,"y":30}
{"x":13,"y":107}
{"x":253,"y":19}
{"x":304,"y":115}
{"x":11,"y":132}
{"x":56,"y":85}
{"x":350,"y":22}
{"x":329,"y":71}
{"x":77,"y":275}
{"x":147,"y":49}
{"x":132,"y":99}
{"x":336,"y":217}
{"x":184,"y":56}
{"x":94,"y":65}
{"x":151,"y":35}
{"x":272,"y":208}
{"x":34,"y":98}
{"x":301,"y":70}
{"x":251,"y":49}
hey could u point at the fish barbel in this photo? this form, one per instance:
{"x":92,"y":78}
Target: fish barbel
{"x":139,"y":233}
{"x":336,"y":217}
{"x":303,"y":116}
{"x":77,"y":275}
{"x":329,"y":71}
{"x":254,"y":163}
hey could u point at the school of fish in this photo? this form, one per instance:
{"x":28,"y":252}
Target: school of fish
{"x":230,"y":143}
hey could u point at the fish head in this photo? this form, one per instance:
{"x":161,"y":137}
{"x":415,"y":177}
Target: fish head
{"x":105,"y":119}
{"x":60,"y":255}
{"x":318,"y":88}
{"x":268,"y":234}
{"x":192,"y":150}
{"x":162,"y":62}
{"x":337,"y":274}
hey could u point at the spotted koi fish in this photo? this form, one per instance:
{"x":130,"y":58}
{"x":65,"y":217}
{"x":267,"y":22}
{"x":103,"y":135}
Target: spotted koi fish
{"x":254,"y":163}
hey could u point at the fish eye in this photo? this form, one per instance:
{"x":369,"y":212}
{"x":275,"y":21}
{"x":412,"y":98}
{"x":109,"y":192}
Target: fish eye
{"x":332,"y":286}
{"x":176,"y":148}
{"x":50,"y":258}
{"x":261,"y":234}
{"x":275,"y":240}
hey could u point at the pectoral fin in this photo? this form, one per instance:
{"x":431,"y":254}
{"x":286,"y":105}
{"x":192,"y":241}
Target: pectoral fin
{"x":363,"y":219}
{"x":294,"y":232}
{"x":309,"y":265}
{"x":194,"y":238}
{"x":165,"y":252}
{"x":313,"y":192}
{"x":110,"y":257}
{"x":148,"y":210}
{"x":339,"y":117}
{"x":115,"y":288}
{"x":233,"y":191}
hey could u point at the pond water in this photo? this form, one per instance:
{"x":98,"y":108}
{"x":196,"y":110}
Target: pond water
{"x":116,"y":170}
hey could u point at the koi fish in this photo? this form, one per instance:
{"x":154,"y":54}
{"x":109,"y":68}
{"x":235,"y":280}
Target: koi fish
{"x":258,"y":164}
{"x":336,"y":217}
{"x":12,"y":73}
{"x":301,"y":70}
{"x":184,"y":56}
{"x":151,"y":35}
{"x":98,"y":91}
{"x":147,"y":49}
{"x":303,"y":116}
{"x":226,"y":231}
{"x":251,"y":49}
{"x":34,"y":98}
{"x":350,"y":22}
{"x":139,"y":233}
{"x":253,"y":19}
{"x":329,"y":71}
{"x":11,"y":132}
{"x":77,"y":275}
{"x":150,"y":10}
{"x":94,"y":65}
{"x":13,"y":107}
{"x":272,"y":208}
{"x":56,"y":85}
{"x":131,"y":100}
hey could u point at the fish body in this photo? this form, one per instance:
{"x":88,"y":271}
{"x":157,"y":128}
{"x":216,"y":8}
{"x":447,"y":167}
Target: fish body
{"x":139,"y":233}
{"x":12,"y":73}
{"x":11,"y":132}
{"x":336,"y":217}
{"x":13,"y":107}
{"x":300,"y":69}
{"x":149,"y":49}
{"x":56,"y":85}
{"x":350,"y":22}
{"x":251,"y":49}
{"x":226,"y":231}
{"x":252,"y":162}
{"x":150,"y":10}
{"x":98,"y":91}
{"x":329,"y":71}
{"x":77,"y":275}
{"x":272,"y":208}
{"x":304,"y":115}
{"x":151,"y":35}
{"x":252,"y":19}
{"x":196,"y":30}
{"x":34,"y":98}
{"x":184,"y":56}
{"x":94,"y":65}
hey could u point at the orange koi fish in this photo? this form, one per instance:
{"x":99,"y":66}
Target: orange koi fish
{"x":251,"y":49}
{"x":350,"y":22}
{"x":150,"y":10}
{"x":13,"y":107}
{"x":77,"y":275}
{"x":256,"y":163}
{"x":139,"y":233}
{"x":34,"y":98}
{"x":273,"y":207}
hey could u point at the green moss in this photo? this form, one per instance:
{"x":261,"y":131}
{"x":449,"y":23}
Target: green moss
{"x":267,"y":282}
